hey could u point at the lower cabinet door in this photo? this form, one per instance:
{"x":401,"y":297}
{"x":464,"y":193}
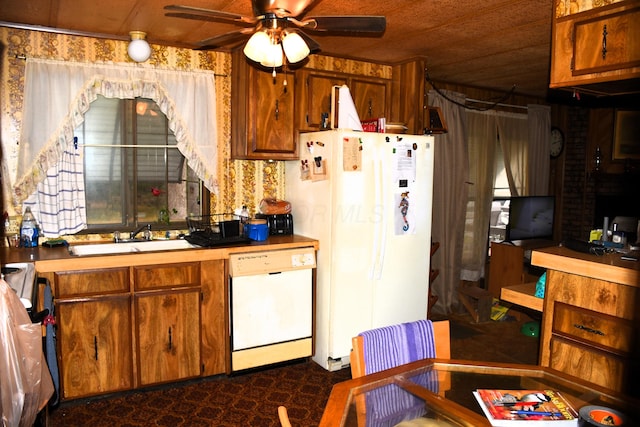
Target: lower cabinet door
{"x":168,"y":335}
{"x":94,"y":341}
{"x":590,"y":364}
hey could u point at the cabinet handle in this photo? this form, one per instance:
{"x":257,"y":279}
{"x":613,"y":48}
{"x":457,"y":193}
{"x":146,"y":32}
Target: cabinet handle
{"x":587,"y":329}
{"x":95,"y":346}
{"x":604,"y":41}
{"x":370,"y":107}
{"x":277,"y":109}
{"x":170,"y":338}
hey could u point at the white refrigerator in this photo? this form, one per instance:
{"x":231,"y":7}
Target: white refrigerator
{"x":367,"y":198}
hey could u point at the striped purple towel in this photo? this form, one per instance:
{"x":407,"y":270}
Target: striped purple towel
{"x":395,"y":345}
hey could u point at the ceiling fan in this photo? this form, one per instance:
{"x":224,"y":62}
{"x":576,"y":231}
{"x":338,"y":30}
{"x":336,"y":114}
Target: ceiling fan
{"x":277,"y":26}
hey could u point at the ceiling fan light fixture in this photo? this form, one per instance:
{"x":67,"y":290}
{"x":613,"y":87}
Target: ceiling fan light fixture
{"x":256,"y":46}
{"x":294,"y":47}
{"x":272,"y":56}
{"x":138,"y":49}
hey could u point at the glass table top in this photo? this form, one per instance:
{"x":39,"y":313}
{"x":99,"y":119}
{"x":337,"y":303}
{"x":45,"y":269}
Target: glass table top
{"x":437,"y":393}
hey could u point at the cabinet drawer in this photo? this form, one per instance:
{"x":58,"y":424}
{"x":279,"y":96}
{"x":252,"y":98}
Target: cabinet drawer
{"x":590,"y":327}
{"x":167,"y":276}
{"x":91,"y":282}
{"x":595,"y":366}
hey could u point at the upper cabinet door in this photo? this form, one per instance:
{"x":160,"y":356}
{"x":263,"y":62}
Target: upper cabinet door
{"x":262,"y":113}
{"x":597,"y":51}
{"x":607,"y":43}
{"x":314,"y":97}
{"x":370,"y":97}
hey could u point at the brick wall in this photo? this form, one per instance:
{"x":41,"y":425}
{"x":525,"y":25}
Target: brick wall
{"x":577,"y":209}
{"x":588,"y":196}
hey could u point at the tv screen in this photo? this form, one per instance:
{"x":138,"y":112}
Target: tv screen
{"x":531,"y":218}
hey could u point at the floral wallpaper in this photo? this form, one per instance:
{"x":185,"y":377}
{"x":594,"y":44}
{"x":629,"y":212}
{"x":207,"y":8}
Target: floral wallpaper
{"x":241,"y":182}
{"x":569,"y":7}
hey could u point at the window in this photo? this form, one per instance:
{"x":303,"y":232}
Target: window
{"x":501,"y":182}
{"x":134,"y":172}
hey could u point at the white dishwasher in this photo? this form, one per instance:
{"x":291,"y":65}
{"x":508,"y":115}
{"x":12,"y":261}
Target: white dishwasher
{"x":271,"y":306}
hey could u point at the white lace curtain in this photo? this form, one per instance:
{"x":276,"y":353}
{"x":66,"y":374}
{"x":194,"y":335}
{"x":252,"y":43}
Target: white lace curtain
{"x":58,"y":94}
{"x":524,"y":139}
{"x":464,"y":178}
{"x":450,"y":187}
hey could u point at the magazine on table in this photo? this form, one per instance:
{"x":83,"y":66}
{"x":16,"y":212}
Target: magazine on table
{"x":506,"y":408}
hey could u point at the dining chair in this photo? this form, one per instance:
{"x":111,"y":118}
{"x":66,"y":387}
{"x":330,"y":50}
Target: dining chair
{"x":391,"y":346}
{"x":284,"y":416}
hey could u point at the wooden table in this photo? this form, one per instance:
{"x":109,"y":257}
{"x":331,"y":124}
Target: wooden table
{"x":441,"y":391}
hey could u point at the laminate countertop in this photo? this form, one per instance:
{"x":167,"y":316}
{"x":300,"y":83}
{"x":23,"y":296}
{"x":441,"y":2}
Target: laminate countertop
{"x":59,"y":258}
{"x":609,"y":267}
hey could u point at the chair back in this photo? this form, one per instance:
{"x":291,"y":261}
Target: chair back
{"x":391,"y":346}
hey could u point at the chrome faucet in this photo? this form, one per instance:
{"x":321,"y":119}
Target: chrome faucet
{"x":147,"y":232}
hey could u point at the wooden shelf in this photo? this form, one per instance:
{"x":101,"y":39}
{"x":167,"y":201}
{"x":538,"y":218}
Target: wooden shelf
{"x":433,"y":274}
{"x":434,"y":247}
{"x":522,"y":294}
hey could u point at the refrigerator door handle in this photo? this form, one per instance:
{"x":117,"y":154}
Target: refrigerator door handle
{"x":379,"y":233}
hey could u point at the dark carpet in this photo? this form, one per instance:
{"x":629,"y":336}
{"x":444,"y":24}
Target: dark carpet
{"x":252,"y":399}
{"x":240,"y":400}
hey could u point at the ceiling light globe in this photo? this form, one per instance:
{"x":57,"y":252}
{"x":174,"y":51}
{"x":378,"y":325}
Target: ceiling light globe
{"x":138,"y":49}
{"x":273,"y":56}
{"x":256,"y":46}
{"x":295,"y":47}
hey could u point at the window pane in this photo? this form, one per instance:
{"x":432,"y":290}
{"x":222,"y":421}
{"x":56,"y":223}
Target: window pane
{"x":103,"y":188}
{"x":103,"y":165}
{"x":501,"y":184}
{"x":134,"y":173}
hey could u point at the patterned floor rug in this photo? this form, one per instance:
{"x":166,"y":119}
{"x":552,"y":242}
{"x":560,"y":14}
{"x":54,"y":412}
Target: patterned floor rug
{"x":241,"y":400}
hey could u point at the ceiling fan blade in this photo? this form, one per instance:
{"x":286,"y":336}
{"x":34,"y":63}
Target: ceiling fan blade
{"x":313,"y":45}
{"x":225,"y":39}
{"x":361,"y":25}
{"x":198,"y":13}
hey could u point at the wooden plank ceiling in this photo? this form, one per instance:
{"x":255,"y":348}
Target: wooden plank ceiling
{"x":492,"y":44}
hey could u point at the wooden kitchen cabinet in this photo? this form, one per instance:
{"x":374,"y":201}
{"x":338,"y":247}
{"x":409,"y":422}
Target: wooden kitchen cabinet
{"x":168,"y":335}
{"x":597,"y":50}
{"x":370,"y":95}
{"x":101,"y":311}
{"x":93,"y":310}
{"x":213,"y":319}
{"x":167,"y":312}
{"x":314,"y":97}
{"x":591,"y":326}
{"x":592,"y":330}
{"x":262,"y":123}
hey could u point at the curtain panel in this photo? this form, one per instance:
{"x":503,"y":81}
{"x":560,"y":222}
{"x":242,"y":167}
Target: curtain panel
{"x":450,"y":187}
{"x":483,"y":139}
{"x":59,"y":93}
{"x":539,"y":144}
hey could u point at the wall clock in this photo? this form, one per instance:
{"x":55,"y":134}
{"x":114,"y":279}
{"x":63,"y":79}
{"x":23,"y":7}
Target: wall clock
{"x":557,"y":142}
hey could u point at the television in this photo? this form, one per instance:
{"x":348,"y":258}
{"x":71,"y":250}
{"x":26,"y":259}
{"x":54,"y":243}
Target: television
{"x":530,"y":217}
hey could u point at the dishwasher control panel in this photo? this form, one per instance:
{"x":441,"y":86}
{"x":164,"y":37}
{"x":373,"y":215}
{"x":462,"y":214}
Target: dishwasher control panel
{"x":252,"y":263}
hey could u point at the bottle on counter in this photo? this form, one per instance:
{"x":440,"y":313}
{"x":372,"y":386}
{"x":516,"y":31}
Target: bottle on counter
{"x":29,"y":232}
{"x":244,"y":218}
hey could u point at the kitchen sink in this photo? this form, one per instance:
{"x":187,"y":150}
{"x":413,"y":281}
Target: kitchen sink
{"x":129,"y":247}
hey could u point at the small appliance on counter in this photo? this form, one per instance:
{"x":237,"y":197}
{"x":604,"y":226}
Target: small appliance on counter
{"x":279,"y":224}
